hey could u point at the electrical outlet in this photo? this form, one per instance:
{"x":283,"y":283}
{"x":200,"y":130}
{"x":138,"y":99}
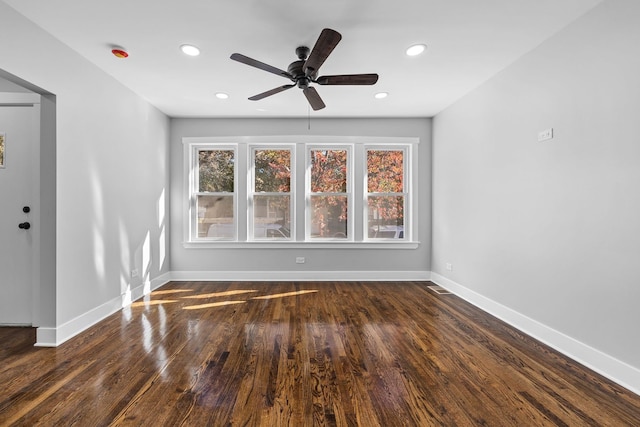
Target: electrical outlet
{"x":300,"y":260}
{"x":545,"y":135}
{"x":449,"y":266}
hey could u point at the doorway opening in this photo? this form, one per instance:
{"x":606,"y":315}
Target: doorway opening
{"x":36,"y":214}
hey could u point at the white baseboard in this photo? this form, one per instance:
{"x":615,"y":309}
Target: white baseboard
{"x":53,"y":337}
{"x":46,"y":337}
{"x":301,"y":276}
{"x":606,"y":365}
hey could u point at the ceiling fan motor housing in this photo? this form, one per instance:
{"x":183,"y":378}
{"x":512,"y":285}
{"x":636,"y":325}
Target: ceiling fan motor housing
{"x":295,"y":69}
{"x":299,"y":76}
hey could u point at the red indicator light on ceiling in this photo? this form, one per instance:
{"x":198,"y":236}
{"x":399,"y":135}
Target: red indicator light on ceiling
{"x":119,"y":53}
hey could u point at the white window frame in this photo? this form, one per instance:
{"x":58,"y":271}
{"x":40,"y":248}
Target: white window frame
{"x":194,"y":186}
{"x":251,"y":193}
{"x":349,"y":192}
{"x":301,"y":145}
{"x":406,"y":187}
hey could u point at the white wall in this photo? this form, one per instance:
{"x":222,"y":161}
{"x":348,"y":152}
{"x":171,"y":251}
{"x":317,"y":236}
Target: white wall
{"x":551,"y":230}
{"x":278,"y":263}
{"x":112,"y":178}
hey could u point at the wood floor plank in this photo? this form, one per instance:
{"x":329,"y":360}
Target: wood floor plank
{"x":302,"y":354}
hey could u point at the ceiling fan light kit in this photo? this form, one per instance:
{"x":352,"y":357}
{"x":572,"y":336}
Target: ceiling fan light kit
{"x":305,"y":70}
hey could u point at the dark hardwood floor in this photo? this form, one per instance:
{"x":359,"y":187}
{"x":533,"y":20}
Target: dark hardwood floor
{"x":301,"y":354}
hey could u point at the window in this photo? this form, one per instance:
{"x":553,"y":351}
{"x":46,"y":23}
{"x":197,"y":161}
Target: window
{"x":270,"y":194}
{"x":328,"y":211}
{"x":300,"y":191}
{"x":215,"y":198}
{"x":385,"y":193}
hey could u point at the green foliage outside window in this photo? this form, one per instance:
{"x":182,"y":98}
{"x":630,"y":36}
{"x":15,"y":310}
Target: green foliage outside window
{"x":216,"y":171}
{"x":273,"y":171}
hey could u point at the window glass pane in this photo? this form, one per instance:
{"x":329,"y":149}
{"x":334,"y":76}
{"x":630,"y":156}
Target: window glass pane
{"x":271,"y":217}
{"x":329,"y":216}
{"x":272,"y":171}
{"x":385,"y":171}
{"x":216,"y":171}
{"x":215,"y":216}
{"x":386,"y":217}
{"x":328,"y":171}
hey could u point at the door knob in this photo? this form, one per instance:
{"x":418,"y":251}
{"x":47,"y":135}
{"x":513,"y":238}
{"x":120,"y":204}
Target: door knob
{"x":24,"y":226}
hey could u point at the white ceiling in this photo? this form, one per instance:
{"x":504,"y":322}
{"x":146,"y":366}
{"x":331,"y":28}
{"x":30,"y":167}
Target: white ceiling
{"x":469,"y":41}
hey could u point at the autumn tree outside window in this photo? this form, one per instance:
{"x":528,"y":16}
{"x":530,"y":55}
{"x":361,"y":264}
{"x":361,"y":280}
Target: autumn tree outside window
{"x":385,"y":193}
{"x":329,"y":193}
{"x":215,"y":198}
{"x":270,"y":195}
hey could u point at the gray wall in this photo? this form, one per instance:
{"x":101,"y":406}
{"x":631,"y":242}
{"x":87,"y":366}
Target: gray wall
{"x":282,"y":260}
{"x":551,"y":229}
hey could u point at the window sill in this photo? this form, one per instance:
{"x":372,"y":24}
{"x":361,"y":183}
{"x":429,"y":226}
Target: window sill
{"x":301,"y":245}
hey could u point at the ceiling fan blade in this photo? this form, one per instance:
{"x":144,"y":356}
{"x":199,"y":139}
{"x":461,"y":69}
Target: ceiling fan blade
{"x":348,"y":79}
{"x":314,"y":99}
{"x":327,"y":41}
{"x":270,"y":92}
{"x":261,"y":65}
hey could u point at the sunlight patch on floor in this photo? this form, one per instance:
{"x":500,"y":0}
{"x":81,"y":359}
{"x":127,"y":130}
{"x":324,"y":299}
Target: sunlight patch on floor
{"x":286,"y":294}
{"x":212,"y":305}
{"x":219,"y":294}
{"x":170,"y":291}
{"x":153,"y":302}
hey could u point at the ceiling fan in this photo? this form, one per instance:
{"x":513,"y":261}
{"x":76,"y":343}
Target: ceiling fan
{"x":305,"y":70}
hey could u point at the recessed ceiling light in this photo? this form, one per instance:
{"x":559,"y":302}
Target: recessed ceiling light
{"x":190,"y":50}
{"x":381,"y":95}
{"x":222,"y":95}
{"x":416,"y":49}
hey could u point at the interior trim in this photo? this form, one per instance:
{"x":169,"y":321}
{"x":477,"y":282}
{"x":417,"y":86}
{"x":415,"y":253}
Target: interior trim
{"x":53,"y":337}
{"x":306,"y":276}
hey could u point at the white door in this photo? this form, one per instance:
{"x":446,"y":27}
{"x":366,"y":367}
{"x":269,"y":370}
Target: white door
{"x":19,"y":126}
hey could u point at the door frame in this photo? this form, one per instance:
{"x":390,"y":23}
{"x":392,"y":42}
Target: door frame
{"x":26,"y":105}
{"x":44,"y":257}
